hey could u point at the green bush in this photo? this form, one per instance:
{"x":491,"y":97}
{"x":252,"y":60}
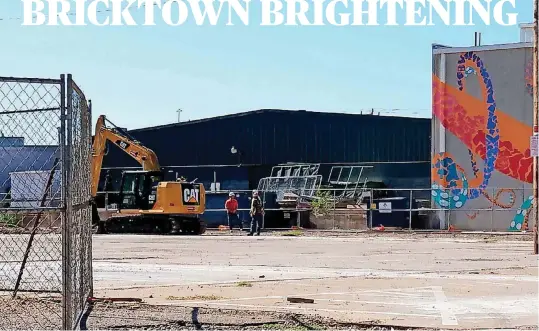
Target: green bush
{"x":8,"y":220}
{"x":322,"y":204}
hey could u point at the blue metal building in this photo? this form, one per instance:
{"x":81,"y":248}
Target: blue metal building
{"x":15,"y":156}
{"x":272,"y":136}
{"x":397,"y":147}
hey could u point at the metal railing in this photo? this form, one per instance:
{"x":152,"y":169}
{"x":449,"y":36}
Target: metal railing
{"x":497,"y":209}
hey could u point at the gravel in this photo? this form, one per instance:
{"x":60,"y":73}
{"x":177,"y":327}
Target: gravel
{"x":490,"y":236}
{"x":44,"y":314}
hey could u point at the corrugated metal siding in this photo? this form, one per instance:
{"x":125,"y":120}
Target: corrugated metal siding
{"x":276,"y":136}
{"x":27,"y":158}
{"x":394,"y":175}
{"x":230,"y":178}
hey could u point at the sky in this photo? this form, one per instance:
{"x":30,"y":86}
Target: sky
{"x":139,"y":76}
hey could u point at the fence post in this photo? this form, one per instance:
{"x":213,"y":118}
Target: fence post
{"x":67,"y":262}
{"x":89,"y":253}
{"x":448,"y":223}
{"x":334,"y":205}
{"x":492,"y":211}
{"x":64,"y":150}
{"x":371,"y":199}
{"x":410,"y":203}
{"x":264,"y":213}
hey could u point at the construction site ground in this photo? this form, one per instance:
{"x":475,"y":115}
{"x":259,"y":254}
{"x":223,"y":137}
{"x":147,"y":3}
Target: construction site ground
{"x":408,"y":280}
{"x":371,"y":281}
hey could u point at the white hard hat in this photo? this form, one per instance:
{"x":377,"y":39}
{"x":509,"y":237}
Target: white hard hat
{"x":255,"y":192}
{"x":231,"y":194}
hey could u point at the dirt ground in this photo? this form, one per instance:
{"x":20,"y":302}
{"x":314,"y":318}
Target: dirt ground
{"x":371,"y":281}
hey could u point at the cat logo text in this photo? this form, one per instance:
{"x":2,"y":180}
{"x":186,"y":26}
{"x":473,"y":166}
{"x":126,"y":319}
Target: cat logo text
{"x":191,"y":195}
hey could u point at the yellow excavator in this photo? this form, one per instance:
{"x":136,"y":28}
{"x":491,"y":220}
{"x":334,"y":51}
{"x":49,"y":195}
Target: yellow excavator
{"x":147,"y":204}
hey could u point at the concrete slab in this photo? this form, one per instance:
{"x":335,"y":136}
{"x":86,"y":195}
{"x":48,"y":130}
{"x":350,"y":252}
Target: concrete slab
{"x":442,"y":282}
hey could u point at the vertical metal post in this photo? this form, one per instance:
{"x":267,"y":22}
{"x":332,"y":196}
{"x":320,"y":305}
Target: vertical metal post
{"x":65,"y":235}
{"x":339,"y":180}
{"x":411,"y":207}
{"x":90,"y":124}
{"x":492,"y":211}
{"x":303,"y":193}
{"x":371,"y":200}
{"x":69,"y":210}
{"x":535,"y":120}
{"x":334,"y":205}
{"x":264,"y":208}
{"x":90,"y":246}
{"x":448,"y":222}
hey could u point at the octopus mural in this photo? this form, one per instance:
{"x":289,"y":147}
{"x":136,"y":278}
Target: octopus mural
{"x":499,"y":140}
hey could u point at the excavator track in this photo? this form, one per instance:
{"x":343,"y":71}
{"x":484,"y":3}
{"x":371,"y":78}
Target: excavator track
{"x":151,"y":225}
{"x":145,"y":224}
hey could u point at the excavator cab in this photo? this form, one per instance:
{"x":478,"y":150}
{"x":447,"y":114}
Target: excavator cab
{"x":138,"y":189}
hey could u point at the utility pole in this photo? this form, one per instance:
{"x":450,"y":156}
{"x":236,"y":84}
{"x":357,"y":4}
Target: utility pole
{"x":535,"y":122}
{"x":179,"y":111}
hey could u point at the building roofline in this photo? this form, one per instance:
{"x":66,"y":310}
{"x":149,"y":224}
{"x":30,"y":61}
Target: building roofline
{"x":261,"y":111}
{"x":240,"y":114}
{"x":452,"y":50}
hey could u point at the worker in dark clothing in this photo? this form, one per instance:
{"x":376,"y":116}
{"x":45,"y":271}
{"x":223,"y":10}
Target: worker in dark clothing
{"x":231,"y":206}
{"x":256,"y":213}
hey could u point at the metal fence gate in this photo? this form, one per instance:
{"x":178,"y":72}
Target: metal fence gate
{"x":45,"y":215}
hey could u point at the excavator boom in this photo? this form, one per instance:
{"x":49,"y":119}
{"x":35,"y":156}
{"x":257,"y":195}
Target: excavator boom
{"x":143,"y":155}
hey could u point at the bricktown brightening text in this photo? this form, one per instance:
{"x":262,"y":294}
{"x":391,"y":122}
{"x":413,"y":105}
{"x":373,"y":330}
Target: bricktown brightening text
{"x":268,"y":12}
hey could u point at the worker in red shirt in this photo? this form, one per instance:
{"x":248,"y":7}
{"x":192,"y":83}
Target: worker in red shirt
{"x":231,"y":206}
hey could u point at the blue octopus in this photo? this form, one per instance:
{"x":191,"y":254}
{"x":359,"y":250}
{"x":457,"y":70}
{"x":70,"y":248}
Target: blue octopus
{"x":452,"y":196}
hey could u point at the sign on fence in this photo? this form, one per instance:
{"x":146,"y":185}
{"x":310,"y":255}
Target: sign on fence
{"x":384,"y":207}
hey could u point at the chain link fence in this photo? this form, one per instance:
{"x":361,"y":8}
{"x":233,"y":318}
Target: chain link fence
{"x":45,"y":243}
{"x":497,"y":209}
{"x":78,"y":235}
